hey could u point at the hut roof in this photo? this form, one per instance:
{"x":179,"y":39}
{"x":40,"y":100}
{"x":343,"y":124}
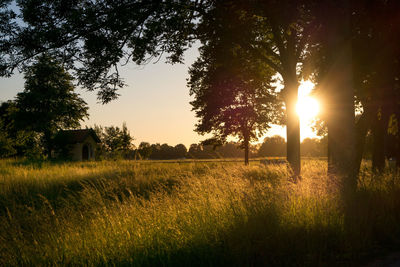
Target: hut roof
{"x":77,"y":136}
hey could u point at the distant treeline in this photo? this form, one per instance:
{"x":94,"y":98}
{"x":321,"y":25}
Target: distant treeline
{"x":116,"y":142}
{"x":274,"y":146}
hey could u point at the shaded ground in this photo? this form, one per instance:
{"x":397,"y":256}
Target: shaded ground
{"x":390,"y":260}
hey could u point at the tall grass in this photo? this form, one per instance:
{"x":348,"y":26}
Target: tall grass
{"x":171,"y":214}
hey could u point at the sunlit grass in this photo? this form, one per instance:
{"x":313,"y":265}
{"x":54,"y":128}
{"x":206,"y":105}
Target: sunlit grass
{"x":128,"y":213}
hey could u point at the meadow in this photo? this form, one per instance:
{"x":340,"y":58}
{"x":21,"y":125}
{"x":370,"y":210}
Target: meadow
{"x":147,"y":213}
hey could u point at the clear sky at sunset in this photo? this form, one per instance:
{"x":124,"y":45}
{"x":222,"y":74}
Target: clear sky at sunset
{"x":154,"y":104}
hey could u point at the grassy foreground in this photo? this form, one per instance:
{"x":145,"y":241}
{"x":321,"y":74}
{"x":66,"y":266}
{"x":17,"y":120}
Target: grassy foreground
{"x":147,"y":214}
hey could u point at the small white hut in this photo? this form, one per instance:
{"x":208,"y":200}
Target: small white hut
{"x":78,"y":144}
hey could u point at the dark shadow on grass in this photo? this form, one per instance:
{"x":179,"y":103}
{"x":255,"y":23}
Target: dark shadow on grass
{"x":263,"y":239}
{"x":373,"y":224}
{"x":259,"y":241}
{"x":112,"y":187}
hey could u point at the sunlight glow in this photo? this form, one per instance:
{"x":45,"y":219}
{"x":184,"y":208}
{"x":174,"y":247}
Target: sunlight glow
{"x":307,"y":108}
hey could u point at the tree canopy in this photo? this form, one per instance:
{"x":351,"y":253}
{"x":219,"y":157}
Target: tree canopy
{"x":93,"y":38}
{"x":232,"y":89}
{"x":115,"y":141}
{"x":48,"y":102}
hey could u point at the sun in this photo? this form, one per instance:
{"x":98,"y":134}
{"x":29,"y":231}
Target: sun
{"x":307,"y":108}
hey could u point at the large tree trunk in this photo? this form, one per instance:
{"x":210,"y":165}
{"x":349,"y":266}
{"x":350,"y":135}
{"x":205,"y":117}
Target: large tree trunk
{"x":338,"y":84}
{"x":341,"y":130}
{"x":292,"y":126}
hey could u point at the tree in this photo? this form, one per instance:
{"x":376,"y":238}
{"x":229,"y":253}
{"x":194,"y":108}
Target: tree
{"x":313,"y":147}
{"x":334,"y":75}
{"x":273,"y":147}
{"x":115,"y":142}
{"x":6,"y":143}
{"x":180,"y":151}
{"x":376,"y":79}
{"x":6,"y":147}
{"x":144,"y":150}
{"x":230,"y":150}
{"x":16,"y":141}
{"x":284,"y":33}
{"x":194,"y":150}
{"x":232,"y":89}
{"x":369,"y":26}
{"x":48,"y":102}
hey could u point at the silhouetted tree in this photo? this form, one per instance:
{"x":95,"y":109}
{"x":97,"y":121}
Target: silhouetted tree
{"x":193,"y":151}
{"x":232,"y":89}
{"x":115,"y":142}
{"x":231,"y":150}
{"x":334,"y":74}
{"x":313,"y":147}
{"x":180,"y":151}
{"x":48,"y":102}
{"x":374,"y":26}
{"x":6,"y":143}
{"x":6,"y":148}
{"x":144,"y":150}
{"x":227,"y":150}
{"x":283,"y":41}
{"x":274,"y":146}
{"x":16,"y":141}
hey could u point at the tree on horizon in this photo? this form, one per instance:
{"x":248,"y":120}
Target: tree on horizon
{"x":48,"y":103}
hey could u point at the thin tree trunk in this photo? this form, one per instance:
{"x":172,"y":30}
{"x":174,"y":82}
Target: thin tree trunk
{"x":378,"y":153}
{"x":48,"y":143}
{"x":397,"y":144}
{"x":398,"y":154}
{"x":379,"y":130}
{"x":362,"y":126}
{"x":246,"y":150}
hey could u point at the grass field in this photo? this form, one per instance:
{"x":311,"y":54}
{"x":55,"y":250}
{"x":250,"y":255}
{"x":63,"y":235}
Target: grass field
{"x":191,"y":214}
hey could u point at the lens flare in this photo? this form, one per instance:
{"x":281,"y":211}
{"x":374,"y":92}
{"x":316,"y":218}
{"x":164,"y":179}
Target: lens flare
{"x":307,"y":108}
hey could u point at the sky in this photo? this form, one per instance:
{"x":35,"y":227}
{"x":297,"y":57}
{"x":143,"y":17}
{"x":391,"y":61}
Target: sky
{"x":154,"y":104}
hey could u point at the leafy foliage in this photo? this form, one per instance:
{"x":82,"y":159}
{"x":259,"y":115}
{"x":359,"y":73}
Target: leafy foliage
{"x":115,"y":142}
{"x":48,"y":102}
{"x":15,"y":141}
{"x":273,"y":146}
{"x":232,"y":89}
{"x":6,"y":148}
{"x":94,"y":37}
